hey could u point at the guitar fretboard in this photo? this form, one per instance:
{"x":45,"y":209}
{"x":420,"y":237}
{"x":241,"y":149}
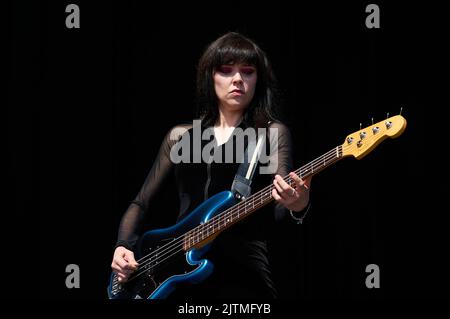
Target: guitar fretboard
{"x":234,"y":214}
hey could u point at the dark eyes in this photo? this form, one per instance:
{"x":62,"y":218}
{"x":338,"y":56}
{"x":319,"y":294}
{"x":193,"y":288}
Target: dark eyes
{"x":248,"y":70}
{"x":227,"y":69}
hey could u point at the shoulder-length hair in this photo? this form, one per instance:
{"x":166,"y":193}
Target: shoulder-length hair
{"x":234,"y":48}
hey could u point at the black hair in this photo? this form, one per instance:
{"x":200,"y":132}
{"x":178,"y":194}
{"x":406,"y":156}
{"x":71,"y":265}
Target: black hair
{"x":233,"y":48}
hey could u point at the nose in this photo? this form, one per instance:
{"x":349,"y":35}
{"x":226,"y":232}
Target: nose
{"x":237,"y":78}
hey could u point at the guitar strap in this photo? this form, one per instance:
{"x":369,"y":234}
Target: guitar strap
{"x":243,"y":179}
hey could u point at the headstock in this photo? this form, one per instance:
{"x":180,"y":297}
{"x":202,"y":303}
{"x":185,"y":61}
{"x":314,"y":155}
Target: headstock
{"x":362,"y":142}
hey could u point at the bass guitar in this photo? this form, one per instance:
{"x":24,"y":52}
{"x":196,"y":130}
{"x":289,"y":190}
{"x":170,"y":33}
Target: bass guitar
{"x":173,"y":256}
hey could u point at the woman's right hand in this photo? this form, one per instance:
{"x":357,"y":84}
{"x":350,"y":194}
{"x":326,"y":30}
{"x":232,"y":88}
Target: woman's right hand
{"x":123,"y":264}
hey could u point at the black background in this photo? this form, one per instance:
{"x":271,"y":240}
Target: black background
{"x":89,"y":107}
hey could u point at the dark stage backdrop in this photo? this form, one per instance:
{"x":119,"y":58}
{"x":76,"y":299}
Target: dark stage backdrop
{"x":89,"y":107}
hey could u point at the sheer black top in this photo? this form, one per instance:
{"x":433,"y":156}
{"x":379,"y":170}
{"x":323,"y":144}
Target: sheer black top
{"x":240,"y":253}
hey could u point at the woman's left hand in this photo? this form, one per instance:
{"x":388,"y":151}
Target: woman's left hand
{"x":295,"y":199}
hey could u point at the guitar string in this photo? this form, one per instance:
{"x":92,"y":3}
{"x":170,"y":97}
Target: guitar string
{"x":312,"y":163}
{"x":176,"y":243}
{"x":225,"y":217}
{"x":265,"y":192}
{"x":215,"y":221}
{"x":174,"y":249}
{"x":328,"y":154}
{"x":162,"y":262}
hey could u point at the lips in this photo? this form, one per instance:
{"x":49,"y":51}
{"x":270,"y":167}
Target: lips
{"x":237,"y":91}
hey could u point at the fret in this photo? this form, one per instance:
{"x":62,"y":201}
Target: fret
{"x":255,"y":201}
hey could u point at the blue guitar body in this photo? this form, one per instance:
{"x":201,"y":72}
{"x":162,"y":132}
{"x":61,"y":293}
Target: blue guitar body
{"x":175,"y":266}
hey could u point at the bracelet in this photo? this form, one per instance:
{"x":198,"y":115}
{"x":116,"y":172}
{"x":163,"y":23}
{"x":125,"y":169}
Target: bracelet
{"x":300,"y":219}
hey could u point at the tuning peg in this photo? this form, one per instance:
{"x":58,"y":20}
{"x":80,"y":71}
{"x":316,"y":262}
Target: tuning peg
{"x":376,"y":129}
{"x":361,"y":134}
{"x":401,"y":109}
{"x":388,"y":123}
{"x":387,"y":115}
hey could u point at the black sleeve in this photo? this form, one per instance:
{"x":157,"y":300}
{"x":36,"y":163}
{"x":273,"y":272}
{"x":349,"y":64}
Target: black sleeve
{"x":130,"y":225}
{"x":283,"y":156}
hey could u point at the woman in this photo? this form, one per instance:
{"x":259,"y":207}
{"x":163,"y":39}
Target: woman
{"x":235,"y":89}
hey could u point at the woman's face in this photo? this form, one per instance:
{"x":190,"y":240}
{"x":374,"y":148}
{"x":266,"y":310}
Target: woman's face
{"x":235,"y":85}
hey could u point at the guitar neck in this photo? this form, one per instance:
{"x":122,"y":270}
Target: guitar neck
{"x":207,"y":231}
